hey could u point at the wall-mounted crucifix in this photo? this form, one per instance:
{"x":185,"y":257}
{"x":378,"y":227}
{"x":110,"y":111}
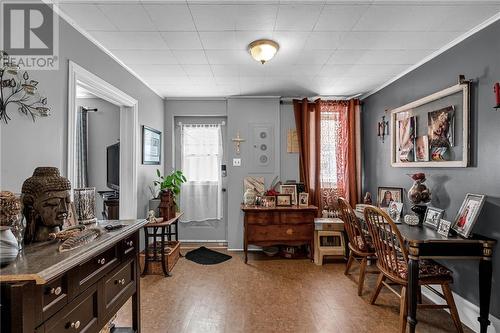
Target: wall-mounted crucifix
{"x":237,"y":142}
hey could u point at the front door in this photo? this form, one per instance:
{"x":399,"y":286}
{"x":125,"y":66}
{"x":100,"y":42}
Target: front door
{"x":212,"y":230}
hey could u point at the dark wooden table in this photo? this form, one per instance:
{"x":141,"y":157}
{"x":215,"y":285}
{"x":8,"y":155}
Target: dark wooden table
{"x":291,"y":225}
{"x":426,"y":243}
{"x":160,"y":229}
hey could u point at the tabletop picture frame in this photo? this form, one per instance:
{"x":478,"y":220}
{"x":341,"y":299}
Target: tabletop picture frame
{"x":444,"y":228}
{"x":151,"y":146}
{"x":290,"y":189}
{"x":283,"y":200}
{"x":468,"y":214}
{"x":433,"y":217}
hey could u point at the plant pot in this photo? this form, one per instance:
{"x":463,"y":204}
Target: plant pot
{"x":154,"y":204}
{"x":167,"y":204}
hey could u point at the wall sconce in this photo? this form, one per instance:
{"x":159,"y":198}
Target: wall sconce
{"x":496,"y":90}
{"x":383,"y":129}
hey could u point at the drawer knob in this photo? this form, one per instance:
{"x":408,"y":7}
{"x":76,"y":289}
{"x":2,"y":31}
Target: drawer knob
{"x":75,"y":324}
{"x":56,"y":291}
{"x":121,"y":282}
{"x":101,"y":261}
{"x":130,"y":243}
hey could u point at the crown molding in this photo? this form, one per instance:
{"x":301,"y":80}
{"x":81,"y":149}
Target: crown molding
{"x":72,"y":23}
{"x":445,"y":48}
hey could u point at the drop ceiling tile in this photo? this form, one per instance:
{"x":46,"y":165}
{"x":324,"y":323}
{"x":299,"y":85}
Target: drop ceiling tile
{"x":128,"y":17}
{"x":218,"y":40}
{"x":297,"y":17}
{"x":396,"y":18}
{"x":339,"y":17}
{"x":153,"y":57}
{"x":324,"y":40}
{"x":130,"y":40}
{"x":229,"y":57}
{"x":203,"y":80}
{"x":253,"y":69}
{"x":197,"y":70}
{"x":182,"y":40}
{"x":256,"y":17}
{"x":465,"y":17}
{"x":315,"y":57}
{"x":290,"y":40}
{"x":375,"y":70}
{"x":225,"y":70}
{"x":227,"y":80}
{"x":159,"y":81}
{"x":392,"y":40}
{"x":335,"y":70}
{"x":158,"y":70}
{"x":190,"y":57}
{"x":214,"y":17}
{"x":373,"y":57}
{"x":87,"y":16}
{"x":170,"y":17}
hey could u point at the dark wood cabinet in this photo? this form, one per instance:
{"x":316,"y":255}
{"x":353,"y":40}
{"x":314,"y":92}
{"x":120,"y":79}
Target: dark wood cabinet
{"x":279,"y":226}
{"x":80,"y":298}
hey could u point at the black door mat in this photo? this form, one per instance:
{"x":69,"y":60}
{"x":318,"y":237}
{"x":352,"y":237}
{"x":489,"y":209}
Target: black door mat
{"x":204,"y":256}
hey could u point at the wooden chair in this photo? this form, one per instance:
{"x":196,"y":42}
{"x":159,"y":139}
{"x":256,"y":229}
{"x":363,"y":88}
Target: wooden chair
{"x":393,"y":264}
{"x":359,"y":245}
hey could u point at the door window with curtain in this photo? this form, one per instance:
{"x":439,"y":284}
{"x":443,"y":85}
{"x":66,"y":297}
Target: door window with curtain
{"x":201,"y":159}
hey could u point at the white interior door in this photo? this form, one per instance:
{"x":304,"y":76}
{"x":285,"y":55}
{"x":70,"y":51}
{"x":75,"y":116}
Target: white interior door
{"x":209,"y":230}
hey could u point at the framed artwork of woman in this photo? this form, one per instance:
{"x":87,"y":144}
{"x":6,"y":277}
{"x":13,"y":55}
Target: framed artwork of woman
{"x":468,"y":214}
{"x":387,"y":195}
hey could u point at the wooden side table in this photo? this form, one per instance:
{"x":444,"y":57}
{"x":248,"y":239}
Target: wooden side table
{"x":153,"y":231}
{"x":329,"y":239}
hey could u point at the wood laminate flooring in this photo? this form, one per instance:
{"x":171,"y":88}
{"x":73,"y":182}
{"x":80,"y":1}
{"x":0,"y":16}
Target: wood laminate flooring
{"x":269,"y":295}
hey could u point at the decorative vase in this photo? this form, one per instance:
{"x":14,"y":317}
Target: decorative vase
{"x":419,"y":195}
{"x":249,"y":197}
{"x":167,"y":204}
{"x":85,"y":204}
{"x":8,"y":246}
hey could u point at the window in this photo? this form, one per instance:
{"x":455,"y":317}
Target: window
{"x":329,"y":130}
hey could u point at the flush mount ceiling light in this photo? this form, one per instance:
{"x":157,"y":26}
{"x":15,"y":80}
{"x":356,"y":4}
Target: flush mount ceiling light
{"x":263,"y":50}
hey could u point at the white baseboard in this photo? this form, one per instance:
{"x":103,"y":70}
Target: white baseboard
{"x":202,"y":241}
{"x":468,"y":312}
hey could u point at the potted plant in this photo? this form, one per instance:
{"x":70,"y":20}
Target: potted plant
{"x":170,"y":188}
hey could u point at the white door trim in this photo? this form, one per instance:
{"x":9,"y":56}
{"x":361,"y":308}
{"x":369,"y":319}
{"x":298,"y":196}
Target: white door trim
{"x":129,"y":138}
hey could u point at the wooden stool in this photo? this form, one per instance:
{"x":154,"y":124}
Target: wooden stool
{"x":329,"y":239}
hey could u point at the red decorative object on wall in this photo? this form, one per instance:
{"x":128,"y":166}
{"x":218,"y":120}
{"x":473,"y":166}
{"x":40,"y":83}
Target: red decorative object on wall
{"x":496,"y":89}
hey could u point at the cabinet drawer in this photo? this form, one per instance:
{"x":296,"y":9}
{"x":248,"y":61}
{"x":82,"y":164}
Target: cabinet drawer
{"x":296,"y":217}
{"x":262,"y":217}
{"x":299,"y":232}
{"x":119,"y":285}
{"x":97,"y":267}
{"x":55,"y":296}
{"x":129,"y":246}
{"x":81,"y":316}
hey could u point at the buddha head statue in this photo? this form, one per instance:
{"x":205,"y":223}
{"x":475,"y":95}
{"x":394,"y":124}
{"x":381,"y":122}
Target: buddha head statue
{"x":46,"y":200}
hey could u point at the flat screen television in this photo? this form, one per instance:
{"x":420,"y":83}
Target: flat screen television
{"x":113,"y":166}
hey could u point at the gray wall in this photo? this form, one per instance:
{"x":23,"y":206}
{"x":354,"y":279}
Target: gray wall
{"x":26,"y":145}
{"x":239,"y":113}
{"x":103,"y":131}
{"x":478,"y":59}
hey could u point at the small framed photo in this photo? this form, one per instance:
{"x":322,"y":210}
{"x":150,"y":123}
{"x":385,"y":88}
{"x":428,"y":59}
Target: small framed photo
{"x":468,"y":214}
{"x":290,"y":189}
{"x":269,"y":201}
{"x":387,"y":195}
{"x":283,"y":200}
{"x":303,"y":199}
{"x":444,"y":227}
{"x":151,"y":146}
{"x":432,"y":217}
{"x":394,"y":211}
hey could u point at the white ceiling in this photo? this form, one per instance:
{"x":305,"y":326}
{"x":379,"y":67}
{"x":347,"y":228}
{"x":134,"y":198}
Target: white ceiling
{"x":198,"y":48}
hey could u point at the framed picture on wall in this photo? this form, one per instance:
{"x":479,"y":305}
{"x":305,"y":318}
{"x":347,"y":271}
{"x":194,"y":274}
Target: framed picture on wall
{"x":151,"y":146}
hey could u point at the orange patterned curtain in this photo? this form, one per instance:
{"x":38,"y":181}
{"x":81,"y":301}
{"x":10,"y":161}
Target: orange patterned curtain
{"x":329,"y":150}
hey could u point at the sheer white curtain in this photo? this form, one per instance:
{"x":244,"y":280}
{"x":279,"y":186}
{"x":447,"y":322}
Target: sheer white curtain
{"x":201,"y":158}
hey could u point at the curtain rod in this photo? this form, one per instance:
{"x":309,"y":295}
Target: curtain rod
{"x":223,"y":123}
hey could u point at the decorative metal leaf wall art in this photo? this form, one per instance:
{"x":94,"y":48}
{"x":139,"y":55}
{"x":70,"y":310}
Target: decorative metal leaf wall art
{"x":21,"y":90}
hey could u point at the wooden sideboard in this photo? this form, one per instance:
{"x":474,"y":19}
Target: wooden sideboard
{"x":75,"y":291}
{"x":279,"y":226}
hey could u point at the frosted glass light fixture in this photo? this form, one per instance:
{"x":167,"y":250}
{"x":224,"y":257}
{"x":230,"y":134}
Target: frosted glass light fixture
{"x":263,"y":50}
